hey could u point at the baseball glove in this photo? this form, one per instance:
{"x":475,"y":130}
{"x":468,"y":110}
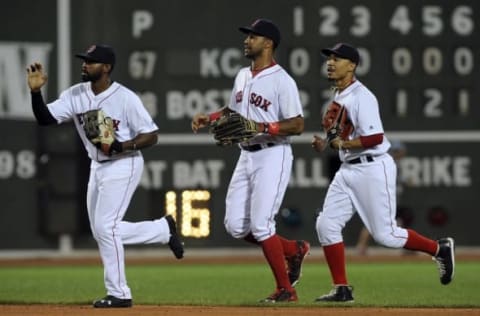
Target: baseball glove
{"x":232,"y":128}
{"x":335,"y":122}
{"x":99,"y":130}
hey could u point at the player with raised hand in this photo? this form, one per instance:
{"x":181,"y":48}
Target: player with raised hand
{"x":366,"y":180}
{"x":114,"y":126}
{"x":266,"y":96}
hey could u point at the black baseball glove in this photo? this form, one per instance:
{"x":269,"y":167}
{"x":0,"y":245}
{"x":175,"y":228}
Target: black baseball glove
{"x":232,"y":128}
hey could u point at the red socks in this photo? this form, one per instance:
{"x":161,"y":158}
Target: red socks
{"x":417,"y":242}
{"x":289,"y":247}
{"x":273,"y":252}
{"x":335,"y":256}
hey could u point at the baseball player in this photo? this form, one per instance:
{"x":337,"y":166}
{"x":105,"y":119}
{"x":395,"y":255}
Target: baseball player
{"x":115,"y":173}
{"x":264,"y":93}
{"x":365,"y":181}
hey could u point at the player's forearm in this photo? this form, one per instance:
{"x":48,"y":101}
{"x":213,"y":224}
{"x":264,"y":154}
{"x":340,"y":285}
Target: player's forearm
{"x":292,"y":126}
{"x":362,"y":142}
{"x":349,"y":144}
{"x":141,"y":141}
{"x":40,"y":110}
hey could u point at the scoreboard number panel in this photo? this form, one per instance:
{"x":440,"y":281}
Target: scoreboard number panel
{"x":418,"y":57}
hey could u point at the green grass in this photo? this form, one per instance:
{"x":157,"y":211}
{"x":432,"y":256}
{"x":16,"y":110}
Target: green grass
{"x":382,"y":285}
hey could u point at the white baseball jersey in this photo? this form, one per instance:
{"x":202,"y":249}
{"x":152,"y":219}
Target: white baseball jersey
{"x":261,"y":177}
{"x":113,"y":180}
{"x":367,"y":186}
{"x":363,"y":111}
{"x":120,"y":103}
{"x":270,"y":96}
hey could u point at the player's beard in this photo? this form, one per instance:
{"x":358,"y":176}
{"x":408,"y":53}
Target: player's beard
{"x":252,"y":54}
{"x":92,"y":77}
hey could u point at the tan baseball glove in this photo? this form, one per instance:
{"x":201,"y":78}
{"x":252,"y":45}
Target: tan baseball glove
{"x":99,"y":130}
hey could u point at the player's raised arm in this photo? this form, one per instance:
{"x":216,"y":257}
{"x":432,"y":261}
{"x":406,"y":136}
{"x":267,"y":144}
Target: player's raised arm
{"x":36,"y":78}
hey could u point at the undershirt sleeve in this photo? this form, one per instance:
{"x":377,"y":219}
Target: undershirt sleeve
{"x":371,"y":140}
{"x":40,"y":110}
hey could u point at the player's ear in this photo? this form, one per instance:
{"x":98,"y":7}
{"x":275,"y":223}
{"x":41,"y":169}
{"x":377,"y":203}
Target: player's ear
{"x":269,"y":43}
{"x":352,"y":66}
{"x":108,"y":68}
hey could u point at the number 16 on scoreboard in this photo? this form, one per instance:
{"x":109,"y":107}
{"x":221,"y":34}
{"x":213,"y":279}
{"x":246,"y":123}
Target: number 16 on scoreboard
{"x":195,"y":221}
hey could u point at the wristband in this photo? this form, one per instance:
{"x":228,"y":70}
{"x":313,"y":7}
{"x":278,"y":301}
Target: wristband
{"x":214,"y":116}
{"x":116,"y":146}
{"x":272,"y":128}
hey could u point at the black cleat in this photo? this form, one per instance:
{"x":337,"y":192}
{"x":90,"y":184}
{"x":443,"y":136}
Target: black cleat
{"x":174,"y":243}
{"x":110,"y":301}
{"x":445,"y":259}
{"x":294,"y":263}
{"x":341,"y":293}
{"x":281,"y":296}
